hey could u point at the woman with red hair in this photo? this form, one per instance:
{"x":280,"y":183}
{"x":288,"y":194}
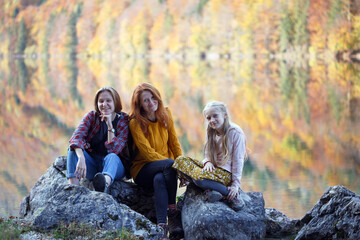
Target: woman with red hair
{"x":154,"y":135}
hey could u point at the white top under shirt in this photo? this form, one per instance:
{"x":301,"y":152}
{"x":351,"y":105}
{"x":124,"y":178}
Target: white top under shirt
{"x":237,"y":150}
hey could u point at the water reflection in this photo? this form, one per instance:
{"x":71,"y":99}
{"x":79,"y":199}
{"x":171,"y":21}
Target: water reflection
{"x":302,"y":122}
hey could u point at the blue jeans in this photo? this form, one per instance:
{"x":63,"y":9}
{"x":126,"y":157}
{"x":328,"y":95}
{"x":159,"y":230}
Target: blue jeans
{"x":160,"y":176}
{"x":110,"y":165}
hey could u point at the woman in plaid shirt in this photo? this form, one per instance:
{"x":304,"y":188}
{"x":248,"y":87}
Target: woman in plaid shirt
{"x":96,"y":144}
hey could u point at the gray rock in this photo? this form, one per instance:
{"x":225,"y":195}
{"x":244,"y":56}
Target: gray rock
{"x":278,"y":225}
{"x":52,"y":200}
{"x":138,"y":199}
{"x":204,"y":220}
{"x":335,"y":216}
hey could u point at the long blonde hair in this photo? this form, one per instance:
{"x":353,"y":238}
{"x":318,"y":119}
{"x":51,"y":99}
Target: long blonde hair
{"x":210,"y":143}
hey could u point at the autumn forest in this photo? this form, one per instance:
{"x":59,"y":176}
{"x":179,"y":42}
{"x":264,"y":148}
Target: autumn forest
{"x":288,"y":70}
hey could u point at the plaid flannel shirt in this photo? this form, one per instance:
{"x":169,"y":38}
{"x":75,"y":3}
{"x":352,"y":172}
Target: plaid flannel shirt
{"x":90,"y":125}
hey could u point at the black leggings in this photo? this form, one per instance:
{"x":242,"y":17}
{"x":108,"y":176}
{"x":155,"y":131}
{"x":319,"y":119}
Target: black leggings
{"x":160,"y":176}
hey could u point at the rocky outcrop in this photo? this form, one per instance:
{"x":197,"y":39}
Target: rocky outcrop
{"x":205,"y":220}
{"x":278,"y":225}
{"x":138,"y":199}
{"x":335,"y":216}
{"x":52,"y":200}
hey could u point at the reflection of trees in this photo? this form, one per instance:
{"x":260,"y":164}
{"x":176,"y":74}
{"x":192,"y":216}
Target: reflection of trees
{"x":286,"y":85}
{"x":21,"y":37}
{"x":294,"y":89}
{"x":49,"y":118}
{"x":335,"y":104}
{"x":22,"y":75}
{"x":300,"y":25}
{"x":21,"y":188}
{"x":71,"y":62}
{"x":73,"y":74}
{"x":354,"y":92}
{"x":301,"y":77}
{"x":45,"y":52}
{"x":285,"y":29}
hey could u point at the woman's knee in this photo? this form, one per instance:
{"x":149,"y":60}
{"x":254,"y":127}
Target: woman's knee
{"x":112,"y":156}
{"x":159,"y":179}
{"x":168,"y":163}
{"x":199,"y":183}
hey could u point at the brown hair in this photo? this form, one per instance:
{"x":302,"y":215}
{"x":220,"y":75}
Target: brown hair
{"x":138,"y":113}
{"x":115,"y":96}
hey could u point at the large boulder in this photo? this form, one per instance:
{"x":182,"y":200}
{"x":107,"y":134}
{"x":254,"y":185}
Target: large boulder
{"x":138,"y":199}
{"x":52,"y":200}
{"x":278,"y":225}
{"x":205,"y":220}
{"x":335,"y":216}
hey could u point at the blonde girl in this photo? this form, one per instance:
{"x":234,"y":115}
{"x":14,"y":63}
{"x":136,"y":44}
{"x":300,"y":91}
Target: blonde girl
{"x":225,"y":150}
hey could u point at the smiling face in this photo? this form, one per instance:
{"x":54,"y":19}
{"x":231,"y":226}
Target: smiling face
{"x":106,"y":103}
{"x":148,"y":103}
{"x":215,"y":119}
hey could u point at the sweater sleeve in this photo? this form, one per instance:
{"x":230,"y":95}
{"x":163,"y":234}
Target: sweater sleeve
{"x":237,"y":157}
{"x":142,"y":143}
{"x":174,"y":143}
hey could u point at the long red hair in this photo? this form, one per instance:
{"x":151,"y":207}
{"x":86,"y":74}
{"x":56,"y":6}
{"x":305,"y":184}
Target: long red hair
{"x":138,"y":113}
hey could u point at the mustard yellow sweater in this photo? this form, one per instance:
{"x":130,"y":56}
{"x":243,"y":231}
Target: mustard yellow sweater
{"x":160,"y":144}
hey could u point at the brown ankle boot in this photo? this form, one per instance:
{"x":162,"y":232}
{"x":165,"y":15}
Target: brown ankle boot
{"x":175,"y":225}
{"x":165,"y":229}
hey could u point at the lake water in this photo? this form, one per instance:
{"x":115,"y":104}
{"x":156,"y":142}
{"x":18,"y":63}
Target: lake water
{"x":301,"y":120}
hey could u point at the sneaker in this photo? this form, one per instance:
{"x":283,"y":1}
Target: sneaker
{"x":236,"y":204}
{"x":99,"y":182}
{"x":165,"y":229}
{"x":213,"y":196}
{"x":175,"y":225}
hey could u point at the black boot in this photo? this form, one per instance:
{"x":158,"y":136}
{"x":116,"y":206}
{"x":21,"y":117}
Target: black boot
{"x":175,"y":225}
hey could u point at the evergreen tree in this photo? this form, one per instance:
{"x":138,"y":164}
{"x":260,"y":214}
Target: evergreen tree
{"x":285,"y":30}
{"x":301,"y":34}
{"x":72,"y":37}
{"x":336,"y":11}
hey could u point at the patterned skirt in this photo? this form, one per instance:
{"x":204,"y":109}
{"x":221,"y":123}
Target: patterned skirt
{"x":194,"y":169}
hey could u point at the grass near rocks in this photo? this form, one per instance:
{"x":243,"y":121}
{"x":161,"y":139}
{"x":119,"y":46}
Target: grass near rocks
{"x":14,"y":228}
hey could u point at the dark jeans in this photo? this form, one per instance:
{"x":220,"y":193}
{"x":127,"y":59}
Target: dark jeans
{"x":209,"y":184}
{"x":212,"y":185}
{"x":160,"y":176}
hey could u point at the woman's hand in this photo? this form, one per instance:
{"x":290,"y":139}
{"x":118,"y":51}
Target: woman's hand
{"x":80,"y":171}
{"x":233,"y":192}
{"x":208,"y":167}
{"x":107,"y":119}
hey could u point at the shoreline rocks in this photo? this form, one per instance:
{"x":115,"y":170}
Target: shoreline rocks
{"x":52,"y":200}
